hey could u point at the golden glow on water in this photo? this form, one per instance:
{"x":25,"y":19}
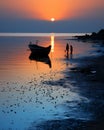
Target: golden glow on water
{"x":18,"y":63}
{"x":15,"y":61}
{"x":52,"y":43}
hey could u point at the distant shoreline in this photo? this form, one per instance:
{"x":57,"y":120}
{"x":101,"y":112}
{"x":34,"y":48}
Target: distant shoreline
{"x":94,"y":36}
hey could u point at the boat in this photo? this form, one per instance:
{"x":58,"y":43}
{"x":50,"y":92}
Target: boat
{"x":39,"y":50}
{"x":40,"y":58}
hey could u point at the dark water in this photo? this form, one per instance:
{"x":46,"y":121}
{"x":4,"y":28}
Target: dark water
{"x":29,"y":91}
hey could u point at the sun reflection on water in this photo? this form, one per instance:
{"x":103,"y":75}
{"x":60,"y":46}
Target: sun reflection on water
{"x":52,"y":43}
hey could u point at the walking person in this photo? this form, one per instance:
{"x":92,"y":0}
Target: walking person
{"x":67,"y":47}
{"x":71,"y":49}
{"x":67,"y":50}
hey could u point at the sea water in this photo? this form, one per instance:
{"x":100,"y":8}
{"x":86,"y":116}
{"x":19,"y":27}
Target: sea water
{"x":34,"y":91}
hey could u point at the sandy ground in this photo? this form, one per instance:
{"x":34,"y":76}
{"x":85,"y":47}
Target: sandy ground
{"x":88,"y":78}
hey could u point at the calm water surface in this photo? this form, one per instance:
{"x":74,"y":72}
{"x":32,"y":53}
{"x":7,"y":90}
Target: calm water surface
{"x":29,"y":89}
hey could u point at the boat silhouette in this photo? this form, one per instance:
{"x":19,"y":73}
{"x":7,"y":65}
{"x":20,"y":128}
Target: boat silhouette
{"x":39,"y":50}
{"x":40,"y":58}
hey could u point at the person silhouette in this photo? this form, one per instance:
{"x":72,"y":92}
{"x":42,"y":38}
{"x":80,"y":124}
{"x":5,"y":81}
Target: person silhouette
{"x":67,"y":47}
{"x":67,"y":50}
{"x":71,"y":49}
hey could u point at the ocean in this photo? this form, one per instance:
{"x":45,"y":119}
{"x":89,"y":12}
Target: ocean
{"x":34,"y":91}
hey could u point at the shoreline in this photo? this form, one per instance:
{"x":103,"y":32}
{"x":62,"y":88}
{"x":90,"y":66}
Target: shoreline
{"x":89,"y":77}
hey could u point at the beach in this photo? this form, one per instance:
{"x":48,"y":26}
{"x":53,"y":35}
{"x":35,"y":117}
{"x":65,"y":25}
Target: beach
{"x":66,"y":92}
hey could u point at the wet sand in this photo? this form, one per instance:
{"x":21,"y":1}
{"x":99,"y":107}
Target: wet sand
{"x":88,"y":78}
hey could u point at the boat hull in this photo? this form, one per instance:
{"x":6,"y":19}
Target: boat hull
{"x":38,"y":50}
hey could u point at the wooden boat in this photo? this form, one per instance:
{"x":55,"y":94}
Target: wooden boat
{"x":39,"y":50}
{"x":40,"y":58}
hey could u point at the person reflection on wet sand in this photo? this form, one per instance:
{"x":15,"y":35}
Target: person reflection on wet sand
{"x":71,"y":56}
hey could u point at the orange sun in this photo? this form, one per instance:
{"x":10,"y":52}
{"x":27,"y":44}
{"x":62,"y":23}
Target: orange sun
{"x":52,"y":19}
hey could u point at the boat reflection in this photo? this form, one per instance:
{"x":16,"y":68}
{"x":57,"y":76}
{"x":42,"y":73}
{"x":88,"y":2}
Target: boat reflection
{"x":40,"y":58}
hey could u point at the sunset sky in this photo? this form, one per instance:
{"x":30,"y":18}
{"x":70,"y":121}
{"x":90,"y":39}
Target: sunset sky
{"x":35,"y":15}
